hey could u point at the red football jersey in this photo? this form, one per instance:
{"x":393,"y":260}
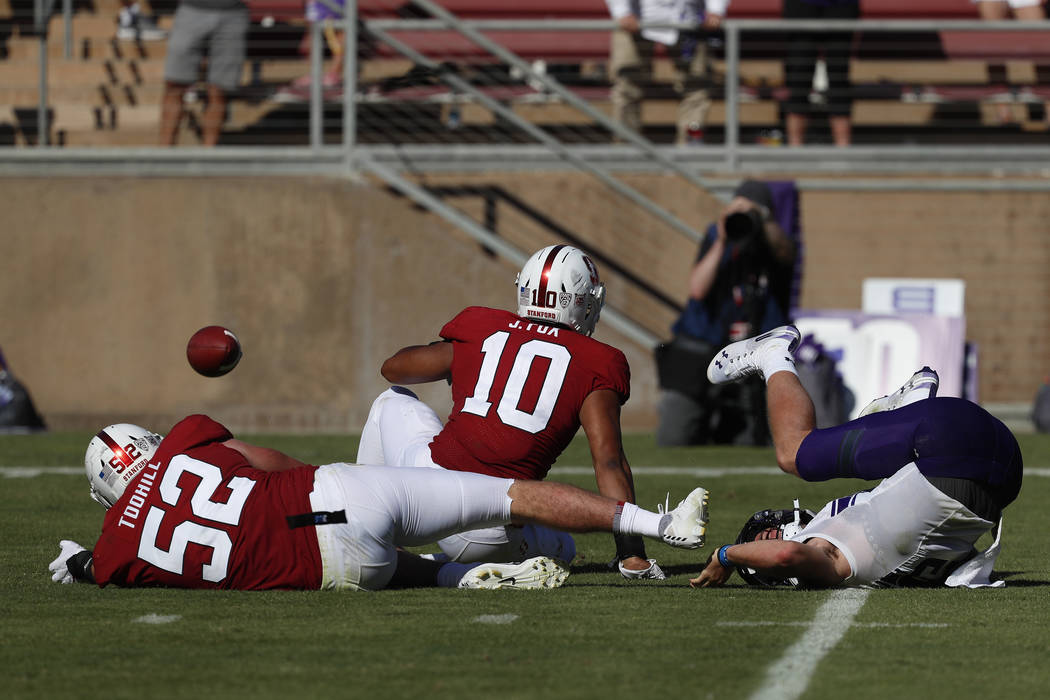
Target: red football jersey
{"x":199,"y":516}
{"x":517,"y":389}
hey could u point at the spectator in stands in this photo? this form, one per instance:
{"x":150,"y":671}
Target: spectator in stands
{"x":134,"y":25}
{"x":332,"y":79}
{"x":631,"y":59}
{"x":212,"y":28}
{"x":802,"y":53}
{"x":998,"y":10}
{"x":740,"y":285}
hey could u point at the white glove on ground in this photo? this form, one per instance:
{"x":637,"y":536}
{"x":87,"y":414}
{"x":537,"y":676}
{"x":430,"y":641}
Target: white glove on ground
{"x":59,"y":572}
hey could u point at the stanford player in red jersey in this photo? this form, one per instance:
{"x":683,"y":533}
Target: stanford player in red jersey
{"x":522,"y":385}
{"x":199,"y":509}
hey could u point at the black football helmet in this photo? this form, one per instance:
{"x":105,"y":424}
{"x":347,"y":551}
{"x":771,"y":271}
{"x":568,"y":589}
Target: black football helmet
{"x":772,"y":525}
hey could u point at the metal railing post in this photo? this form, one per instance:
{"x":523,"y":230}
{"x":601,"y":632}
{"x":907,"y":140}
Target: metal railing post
{"x":316,"y":102}
{"x":732,"y":98}
{"x":67,"y":18}
{"x":41,"y":9}
{"x":350,"y":81}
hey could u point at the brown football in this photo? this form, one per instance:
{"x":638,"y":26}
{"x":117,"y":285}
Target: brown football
{"x":213,"y":351}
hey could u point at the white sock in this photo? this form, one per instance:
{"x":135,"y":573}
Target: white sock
{"x":777,"y":360}
{"x":452,"y":573}
{"x":632,"y":520}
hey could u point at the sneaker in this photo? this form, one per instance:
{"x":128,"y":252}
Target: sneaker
{"x":538,"y":572}
{"x":922,"y":385}
{"x":134,"y":26}
{"x":745,"y":358}
{"x":298,"y":91}
{"x":686,"y":525}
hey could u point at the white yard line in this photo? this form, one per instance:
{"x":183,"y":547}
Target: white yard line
{"x":789,"y":677}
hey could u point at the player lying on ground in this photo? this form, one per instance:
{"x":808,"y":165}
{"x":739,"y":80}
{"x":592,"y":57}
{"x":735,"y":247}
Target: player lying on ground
{"x":948,"y":469}
{"x":522,"y":385}
{"x":199,"y":509}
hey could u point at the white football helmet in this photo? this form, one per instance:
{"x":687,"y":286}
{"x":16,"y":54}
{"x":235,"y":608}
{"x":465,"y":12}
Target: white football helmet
{"x":115,"y":456}
{"x":560,"y":284}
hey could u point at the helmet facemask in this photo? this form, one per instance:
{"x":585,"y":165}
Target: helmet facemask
{"x":772,"y":525}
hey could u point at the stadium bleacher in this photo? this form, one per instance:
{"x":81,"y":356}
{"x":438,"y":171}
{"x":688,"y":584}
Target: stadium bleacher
{"x":108,"y":93}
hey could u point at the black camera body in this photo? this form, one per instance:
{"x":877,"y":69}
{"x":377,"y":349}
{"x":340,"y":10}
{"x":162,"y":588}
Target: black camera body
{"x":744,"y":225}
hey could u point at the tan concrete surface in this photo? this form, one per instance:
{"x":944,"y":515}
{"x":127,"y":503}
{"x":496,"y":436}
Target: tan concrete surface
{"x":103,"y":280}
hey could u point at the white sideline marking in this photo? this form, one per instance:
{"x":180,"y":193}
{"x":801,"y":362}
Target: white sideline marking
{"x":789,"y":677}
{"x":30,"y":472}
{"x":155,"y":619}
{"x":868,"y":625}
{"x":504,"y":619}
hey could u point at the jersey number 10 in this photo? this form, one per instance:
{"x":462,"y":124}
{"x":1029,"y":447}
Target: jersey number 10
{"x":480,"y":402}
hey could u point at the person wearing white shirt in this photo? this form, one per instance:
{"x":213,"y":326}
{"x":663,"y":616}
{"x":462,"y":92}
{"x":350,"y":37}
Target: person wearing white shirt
{"x":633,"y":48}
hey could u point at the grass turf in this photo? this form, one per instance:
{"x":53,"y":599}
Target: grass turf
{"x":599,"y":636}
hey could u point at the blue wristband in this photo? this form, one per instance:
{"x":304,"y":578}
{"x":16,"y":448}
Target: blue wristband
{"x":722,"y":558}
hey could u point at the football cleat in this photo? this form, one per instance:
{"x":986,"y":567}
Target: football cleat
{"x":745,"y":358}
{"x":538,"y":572}
{"x":922,"y":385}
{"x":685,"y":526}
{"x":653,"y":571}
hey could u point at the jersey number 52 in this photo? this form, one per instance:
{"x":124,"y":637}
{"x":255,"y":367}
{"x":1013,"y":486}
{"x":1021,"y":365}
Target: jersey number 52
{"x":228,"y":513}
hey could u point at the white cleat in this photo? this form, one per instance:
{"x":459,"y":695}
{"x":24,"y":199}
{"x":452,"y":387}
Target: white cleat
{"x":922,"y":385}
{"x":538,"y":572}
{"x":686,"y":525}
{"x":653,"y":572}
{"x":745,"y":358}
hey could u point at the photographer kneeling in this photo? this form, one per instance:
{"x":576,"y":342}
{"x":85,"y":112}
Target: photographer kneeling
{"x":740,"y":286}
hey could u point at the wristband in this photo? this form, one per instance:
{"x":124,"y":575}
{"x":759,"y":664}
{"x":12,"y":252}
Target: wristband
{"x":722,"y":558}
{"x":79,"y":567}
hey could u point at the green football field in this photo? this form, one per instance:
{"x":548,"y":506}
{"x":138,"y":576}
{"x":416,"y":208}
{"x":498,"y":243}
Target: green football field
{"x":597,"y":637}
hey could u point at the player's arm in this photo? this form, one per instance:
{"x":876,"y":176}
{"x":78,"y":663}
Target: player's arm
{"x":817,"y":566}
{"x":418,"y":364}
{"x":600,"y":418}
{"x":264,"y":458}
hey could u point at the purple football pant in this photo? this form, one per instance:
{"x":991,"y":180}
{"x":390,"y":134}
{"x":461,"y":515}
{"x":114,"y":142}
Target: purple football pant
{"x":945,"y":437}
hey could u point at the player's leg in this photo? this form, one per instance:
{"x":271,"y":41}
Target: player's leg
{"x":509,"y":543}
{"x":398,"y":427}
{"x":769,"y":355}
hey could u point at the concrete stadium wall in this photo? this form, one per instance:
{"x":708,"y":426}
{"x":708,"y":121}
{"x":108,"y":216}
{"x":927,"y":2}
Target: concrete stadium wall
{"x":104,"y":279}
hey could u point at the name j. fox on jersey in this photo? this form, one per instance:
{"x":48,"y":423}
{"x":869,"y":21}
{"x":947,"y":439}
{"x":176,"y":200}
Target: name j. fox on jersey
{"x":517,"y":387}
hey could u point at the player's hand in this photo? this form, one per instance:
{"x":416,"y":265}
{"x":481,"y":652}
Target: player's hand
{"x":637,"y":568}
{"x":59,"y":571}
{"x":714,"y":574}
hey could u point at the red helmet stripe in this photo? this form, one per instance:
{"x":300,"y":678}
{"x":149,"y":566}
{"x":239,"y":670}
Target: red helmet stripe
{"x":117,"y":450}
{"x":541,"y":292}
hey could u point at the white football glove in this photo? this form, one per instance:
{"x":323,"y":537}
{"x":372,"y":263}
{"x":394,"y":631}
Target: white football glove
{"x":59,"y":572}
{"x":653,"y":572}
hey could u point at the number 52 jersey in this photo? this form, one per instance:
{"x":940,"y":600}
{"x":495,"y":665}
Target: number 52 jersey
{"x":517,"y":389}
{"x":199,"y":516}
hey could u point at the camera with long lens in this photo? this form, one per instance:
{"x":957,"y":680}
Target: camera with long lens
{"x":743,"y":225}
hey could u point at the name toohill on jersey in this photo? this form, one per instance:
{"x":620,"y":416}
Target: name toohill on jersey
{"x":517,"y":389}
{"x":199,"y":516}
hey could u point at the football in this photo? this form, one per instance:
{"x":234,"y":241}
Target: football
{"x":213,"y":351}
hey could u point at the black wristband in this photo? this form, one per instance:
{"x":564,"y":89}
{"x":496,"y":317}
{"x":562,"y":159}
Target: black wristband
{"x":79,"y":566}
{"x":628,"y":546}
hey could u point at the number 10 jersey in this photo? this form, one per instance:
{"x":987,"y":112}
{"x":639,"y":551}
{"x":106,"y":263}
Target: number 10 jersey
{"x":517,"y":389}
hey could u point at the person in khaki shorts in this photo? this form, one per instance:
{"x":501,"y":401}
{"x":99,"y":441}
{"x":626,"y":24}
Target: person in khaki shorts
{"x":212,"y":28}
{"x":631,"y":59}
